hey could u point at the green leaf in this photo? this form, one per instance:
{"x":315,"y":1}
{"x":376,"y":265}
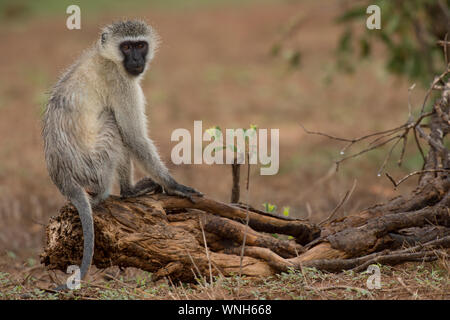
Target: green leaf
{"x":295,"y":59}
{"x":286,"y":211}
{"x":275,"y":50}
{"x":232,"y":147}
{"x":345,"y":42}
{"x":268,"y":207}
{"x":218,"y":148}
{"x":215,"y":132}
{"x":406,"y":54}
{"x":365,"y":48}
{"x":392,"y":25}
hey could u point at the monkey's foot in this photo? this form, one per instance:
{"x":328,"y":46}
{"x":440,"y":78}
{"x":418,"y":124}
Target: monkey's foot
{"x":144,"y":186}
{"x":183,"y":191}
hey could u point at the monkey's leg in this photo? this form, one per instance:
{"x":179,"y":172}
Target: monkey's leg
{"x":103,"y":189}
{"x":127,"y":189}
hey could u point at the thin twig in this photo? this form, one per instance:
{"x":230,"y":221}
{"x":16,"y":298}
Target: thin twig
{"x":384,"y":136}
{"x":410,"y":89}
{"x":195,"y":265}
{"x":341,"y":203}
{"x":435,"y":81}
{"x":388,"y":156}
{"x":396,"y":184}
{"x":365,"y":151}
{"x":414,"y":294}
{"x":207,"y":251}
{"x":402,"y":154}
{"x":246,"y":229}
{"x":419,"y":146}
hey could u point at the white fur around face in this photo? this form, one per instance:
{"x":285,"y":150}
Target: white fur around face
{"x":110,"y":49}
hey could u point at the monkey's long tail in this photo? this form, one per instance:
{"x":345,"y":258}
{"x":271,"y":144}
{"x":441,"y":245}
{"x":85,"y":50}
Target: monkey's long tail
{"x":80,"y":200}
{"x":87,"y":224}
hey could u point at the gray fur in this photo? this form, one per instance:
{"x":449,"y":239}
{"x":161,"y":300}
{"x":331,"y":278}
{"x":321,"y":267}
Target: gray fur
{"x":129,"y":28}
{"x":94,"y":122}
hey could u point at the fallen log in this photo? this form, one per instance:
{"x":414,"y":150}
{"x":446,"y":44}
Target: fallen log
{"x":165,"y":235}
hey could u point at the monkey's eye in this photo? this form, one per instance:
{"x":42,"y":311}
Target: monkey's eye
{"x":126,"y":47}
{"x":141,"y":46}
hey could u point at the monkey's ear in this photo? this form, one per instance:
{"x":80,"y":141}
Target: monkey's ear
{"x":103,"y":37}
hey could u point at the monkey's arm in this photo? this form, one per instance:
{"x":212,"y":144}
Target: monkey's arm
{"x":125,"y":175}
{"x":133,"y":129}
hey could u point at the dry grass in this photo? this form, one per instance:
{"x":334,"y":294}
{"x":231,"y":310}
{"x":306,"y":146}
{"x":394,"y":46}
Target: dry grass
{"x":407,"y":281}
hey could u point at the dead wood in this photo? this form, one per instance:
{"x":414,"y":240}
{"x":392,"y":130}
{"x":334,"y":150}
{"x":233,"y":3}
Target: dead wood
{"x":162,"y":234}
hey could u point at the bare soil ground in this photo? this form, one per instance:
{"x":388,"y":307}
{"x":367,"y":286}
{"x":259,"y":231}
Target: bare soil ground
{"x":410,"y":281}
{"x":214,"y":65}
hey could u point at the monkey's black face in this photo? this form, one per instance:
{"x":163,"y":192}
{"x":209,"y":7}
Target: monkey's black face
{"x":135,"y":53}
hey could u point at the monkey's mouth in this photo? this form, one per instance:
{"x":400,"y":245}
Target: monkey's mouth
{"x":135,"y":70}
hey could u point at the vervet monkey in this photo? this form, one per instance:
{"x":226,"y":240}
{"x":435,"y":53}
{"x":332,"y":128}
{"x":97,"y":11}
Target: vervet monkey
{"x":95,"y":122}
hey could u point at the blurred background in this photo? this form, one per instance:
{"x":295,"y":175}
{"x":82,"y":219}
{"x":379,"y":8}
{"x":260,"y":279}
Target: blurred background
{"x":272,"y":63}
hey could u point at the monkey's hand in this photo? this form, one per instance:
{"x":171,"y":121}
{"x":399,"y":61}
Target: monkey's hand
{"x":177,"y":189}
